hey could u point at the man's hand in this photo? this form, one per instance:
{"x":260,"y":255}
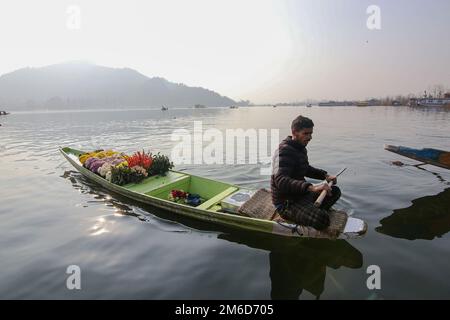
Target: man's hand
{"x":320,"y":188}
{"x":331,"y":178}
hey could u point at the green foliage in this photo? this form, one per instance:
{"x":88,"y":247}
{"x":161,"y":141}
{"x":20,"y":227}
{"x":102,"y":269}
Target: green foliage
{"x":124,"y":175}
{"x":119,"y":175}
{"x":161,"y":165}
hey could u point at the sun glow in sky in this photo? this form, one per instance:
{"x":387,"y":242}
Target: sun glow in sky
{"x":261,"y":50}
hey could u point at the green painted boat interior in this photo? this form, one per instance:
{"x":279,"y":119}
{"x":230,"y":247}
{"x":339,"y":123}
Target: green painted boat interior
{"x":160,"y":186}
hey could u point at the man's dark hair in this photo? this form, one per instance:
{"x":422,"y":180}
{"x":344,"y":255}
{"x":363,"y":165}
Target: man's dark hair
{"x":300,"y":123}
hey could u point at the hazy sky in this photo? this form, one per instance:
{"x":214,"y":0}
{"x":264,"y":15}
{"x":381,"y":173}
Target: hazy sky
{"x":261,"y":50}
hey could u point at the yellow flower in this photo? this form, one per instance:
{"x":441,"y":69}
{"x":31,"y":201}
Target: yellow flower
{"x":122,"y":164}
{"x":86,"y":156}
{"x":100,"y":155}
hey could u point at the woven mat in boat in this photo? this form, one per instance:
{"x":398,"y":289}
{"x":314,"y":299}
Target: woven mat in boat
{"x":260,"y":206}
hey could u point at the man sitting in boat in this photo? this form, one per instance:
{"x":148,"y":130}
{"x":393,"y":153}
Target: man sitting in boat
{"x":292,"y":195}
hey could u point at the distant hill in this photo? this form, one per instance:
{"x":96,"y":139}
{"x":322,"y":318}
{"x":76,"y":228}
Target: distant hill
{"x":84,"y":85}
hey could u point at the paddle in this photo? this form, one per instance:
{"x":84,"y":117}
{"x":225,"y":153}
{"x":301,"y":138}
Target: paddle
{"x":324,"y":192}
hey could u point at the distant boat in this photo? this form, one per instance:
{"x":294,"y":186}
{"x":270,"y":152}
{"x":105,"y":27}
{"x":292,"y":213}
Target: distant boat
{"x":435,"y":157}
{"x":199,"y":106}
{"x":362,"y":103}
{"x":274,"y":106}
{"x":309,"y":105}
{"x":3,"y":113}
{"x":164,"y":108}
{"x":396,"y":103}
{"x":233,"y":107}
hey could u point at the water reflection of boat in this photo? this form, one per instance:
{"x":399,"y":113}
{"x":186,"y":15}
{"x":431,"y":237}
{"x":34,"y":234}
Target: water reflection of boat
{"x":426,"y":218}
{"x":298,"y":265}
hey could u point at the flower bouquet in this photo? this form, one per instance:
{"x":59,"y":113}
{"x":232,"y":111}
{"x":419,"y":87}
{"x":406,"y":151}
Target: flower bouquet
{"x":179,"y":196}
{"x":121,"y":169}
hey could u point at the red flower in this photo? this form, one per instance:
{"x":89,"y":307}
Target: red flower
{"x":178,"y":194}
{"x":140,"y":159}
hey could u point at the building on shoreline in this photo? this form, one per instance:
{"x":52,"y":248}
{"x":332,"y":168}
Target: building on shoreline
{"x":429,"y":101}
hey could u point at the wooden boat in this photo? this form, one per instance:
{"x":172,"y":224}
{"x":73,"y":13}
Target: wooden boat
{"x":154,"y":191}
{"x":434,"y":157}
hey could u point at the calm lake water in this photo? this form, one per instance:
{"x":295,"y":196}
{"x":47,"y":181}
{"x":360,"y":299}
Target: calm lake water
{"x":51,"y":217}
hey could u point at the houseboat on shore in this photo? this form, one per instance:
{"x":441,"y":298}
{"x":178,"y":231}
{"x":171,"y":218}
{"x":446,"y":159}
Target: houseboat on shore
{"x":430,"y":101}
{"x":368,"y":103}
{"x":335,"y":104}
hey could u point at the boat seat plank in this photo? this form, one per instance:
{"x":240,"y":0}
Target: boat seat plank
{"x":156,"y":182}
{"x":209,"y":203}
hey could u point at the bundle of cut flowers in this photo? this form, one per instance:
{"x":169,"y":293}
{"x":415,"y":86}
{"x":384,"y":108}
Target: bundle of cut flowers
{"x":183,"y":197}
{"x":143,"y":160}
{"x":121,"y":169}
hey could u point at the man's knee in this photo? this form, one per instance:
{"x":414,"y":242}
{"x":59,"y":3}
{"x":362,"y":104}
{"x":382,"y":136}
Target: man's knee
{"x":321,"y":221}
{"x":314,"y":217}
